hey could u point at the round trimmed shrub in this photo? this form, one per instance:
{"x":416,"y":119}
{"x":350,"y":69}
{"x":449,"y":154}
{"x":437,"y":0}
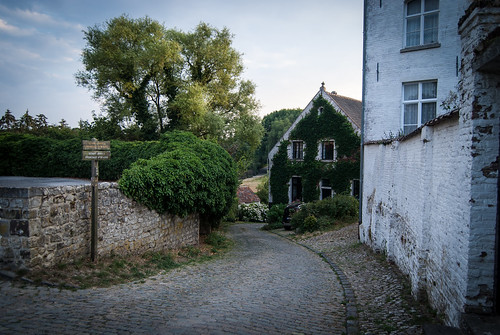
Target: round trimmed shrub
{"x":192,"y":176}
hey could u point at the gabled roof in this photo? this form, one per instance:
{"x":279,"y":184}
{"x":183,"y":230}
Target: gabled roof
{"x":246,"y":195}
{"x":350,"y":107}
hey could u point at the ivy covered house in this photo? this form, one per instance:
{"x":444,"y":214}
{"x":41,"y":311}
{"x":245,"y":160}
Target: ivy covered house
{"x":318,"y":156}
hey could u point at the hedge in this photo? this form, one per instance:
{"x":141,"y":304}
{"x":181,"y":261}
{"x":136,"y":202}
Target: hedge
{"x":36,"y":156}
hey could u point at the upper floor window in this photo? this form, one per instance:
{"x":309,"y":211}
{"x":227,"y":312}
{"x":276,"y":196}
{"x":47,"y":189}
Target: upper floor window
{"x":421,"y":26}
{"x":328,"y":150}
{"x":419,"y":104}
{"x":298,"y":150}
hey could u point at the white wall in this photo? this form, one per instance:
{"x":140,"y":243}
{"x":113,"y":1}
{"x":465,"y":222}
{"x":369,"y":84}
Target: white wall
{"x":426,"y":202}
{"x":384,"y":42}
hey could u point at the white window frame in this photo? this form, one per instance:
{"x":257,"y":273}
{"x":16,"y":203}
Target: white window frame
{"x":419,"y":101}
{"x":421,"y":15}
{"x":321,"y":151}
{"x":321,"y":187}
{"x":290,"y":189}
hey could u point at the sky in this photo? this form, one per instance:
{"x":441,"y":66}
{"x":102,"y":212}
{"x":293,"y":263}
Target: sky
{"x":288,"y":48}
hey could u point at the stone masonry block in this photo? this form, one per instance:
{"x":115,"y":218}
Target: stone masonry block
{"x":19,"y":227}
{"x":8,"y":192}
{"x":4,"y":227}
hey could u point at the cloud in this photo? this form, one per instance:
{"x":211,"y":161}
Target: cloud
{"x":44,"y":19}
{"x":13,"y":30}
{"x":33,"y":17}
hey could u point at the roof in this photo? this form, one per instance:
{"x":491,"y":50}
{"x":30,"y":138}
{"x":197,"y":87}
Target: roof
{"x":351,"y":107}
{"x":246,"y":195}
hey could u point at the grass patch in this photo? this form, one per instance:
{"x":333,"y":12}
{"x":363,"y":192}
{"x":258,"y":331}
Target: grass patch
{"x":116,"y":269}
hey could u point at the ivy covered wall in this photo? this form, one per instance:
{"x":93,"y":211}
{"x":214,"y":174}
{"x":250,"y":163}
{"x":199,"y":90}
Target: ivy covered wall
{"x":316,"y":126}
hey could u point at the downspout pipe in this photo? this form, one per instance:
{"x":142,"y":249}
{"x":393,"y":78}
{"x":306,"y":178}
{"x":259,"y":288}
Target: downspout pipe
{"x":363,"y":99}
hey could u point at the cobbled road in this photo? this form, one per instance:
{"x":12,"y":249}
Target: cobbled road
{"x":265,"y":285}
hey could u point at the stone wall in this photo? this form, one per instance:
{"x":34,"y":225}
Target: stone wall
{"x":41,"y":227}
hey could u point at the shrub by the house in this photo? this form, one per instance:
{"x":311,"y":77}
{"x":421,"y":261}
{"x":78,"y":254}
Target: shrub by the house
{"x":324,"y":214}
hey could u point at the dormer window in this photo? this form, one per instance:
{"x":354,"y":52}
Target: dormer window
{"x":421,"y":22}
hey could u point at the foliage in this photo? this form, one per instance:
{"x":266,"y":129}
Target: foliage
{"x":275,"y":213}
{"x":330,"y":124}
{"x":153,"y":79}
{"x":192,"y":176}
{"x":263,"y":190}
{"x":41,"y":156}
{"x":323,"y":214}
{"x":275,"y":125}
{"x":232,"y":214}
{"x":38,"y":125}
{"x":254,"y":212}
{"x":218,"y":241}
{"x":275,"y":217}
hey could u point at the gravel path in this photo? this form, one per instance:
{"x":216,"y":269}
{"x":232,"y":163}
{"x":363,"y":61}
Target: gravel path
{"x":265,"y":285}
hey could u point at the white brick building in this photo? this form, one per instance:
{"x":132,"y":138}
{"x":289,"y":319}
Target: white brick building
{"x":430,"y":139}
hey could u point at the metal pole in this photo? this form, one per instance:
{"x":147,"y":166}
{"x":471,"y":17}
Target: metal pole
{"x":94,"y":213}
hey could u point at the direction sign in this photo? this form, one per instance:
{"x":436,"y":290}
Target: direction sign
{"x":95,"y":155}
{"x":96,"y":145}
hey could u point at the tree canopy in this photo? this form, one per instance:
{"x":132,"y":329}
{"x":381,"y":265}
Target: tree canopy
{"x":151,"y":79}
{"x":275,"y":125}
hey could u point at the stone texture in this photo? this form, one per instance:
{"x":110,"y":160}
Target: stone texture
{"x":265,"y":285}
{"x":53,"y":226}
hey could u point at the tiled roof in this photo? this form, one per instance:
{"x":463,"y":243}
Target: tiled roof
{"x":246,"y":195}
{"x":350,"y":106}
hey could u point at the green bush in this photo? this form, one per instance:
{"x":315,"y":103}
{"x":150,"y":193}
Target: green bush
{"x":323,"y":214}
{"x":38,"y":156}
{"x":275,"y":214}
{"x":310,"y":223}
{"x":346,"y":207}
{"x":263,"y":190}
{"x":192,"y":176}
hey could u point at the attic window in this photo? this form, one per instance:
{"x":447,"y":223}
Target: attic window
{"x":320,"y":110}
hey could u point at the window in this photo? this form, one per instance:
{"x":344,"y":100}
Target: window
{"x":419,"y":104}
{"x":296,"y":189}
{"x":421,"y":26}
{"x":328,"y":150}
{"x":326,"y":189}
{"x":298,"y":150}
{"x":355,"y":185}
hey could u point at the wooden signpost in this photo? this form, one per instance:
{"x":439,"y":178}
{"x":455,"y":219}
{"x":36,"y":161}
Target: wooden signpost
{"x":95,"y":151}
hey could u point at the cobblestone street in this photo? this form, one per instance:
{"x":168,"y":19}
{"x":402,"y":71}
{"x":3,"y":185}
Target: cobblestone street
{"x":266,"y":284}
{"x":383,"y":297}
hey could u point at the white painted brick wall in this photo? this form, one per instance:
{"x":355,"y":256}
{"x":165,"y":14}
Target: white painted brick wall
{"x":385,"y":37}
{"x":416,"y":209}
{"x":426,"y":201}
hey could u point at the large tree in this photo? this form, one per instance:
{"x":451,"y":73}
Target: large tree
{"x":124,"y":60}
{"x":158,"y":79}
